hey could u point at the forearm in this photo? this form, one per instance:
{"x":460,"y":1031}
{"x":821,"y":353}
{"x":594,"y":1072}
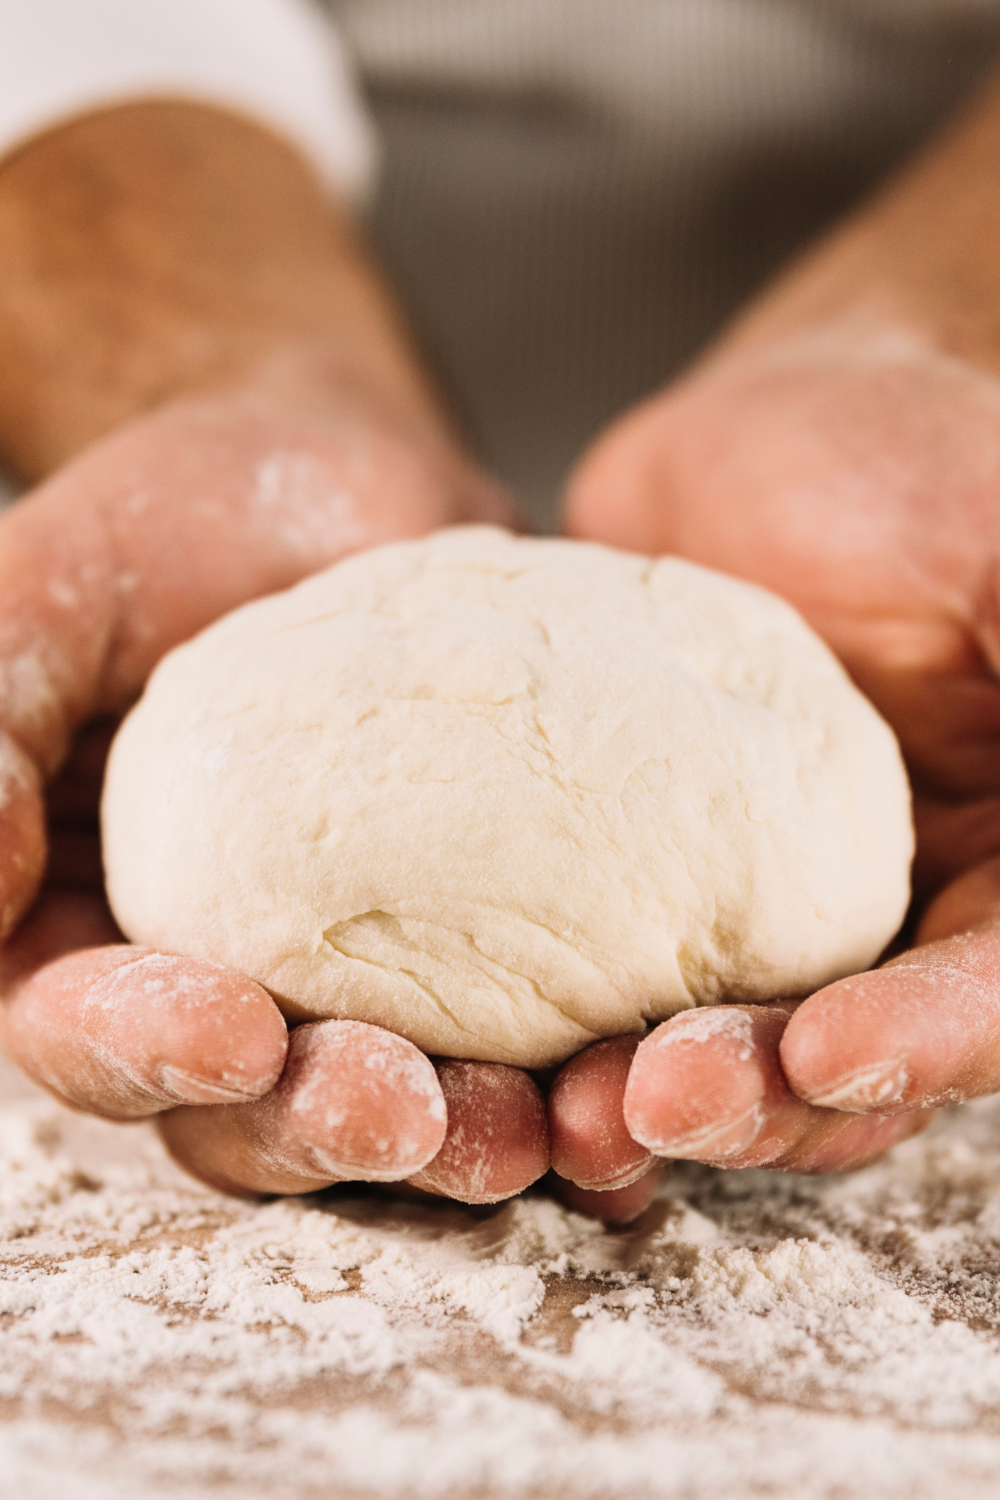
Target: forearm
{"x":923,"y":254}
{"x":162,"y":248}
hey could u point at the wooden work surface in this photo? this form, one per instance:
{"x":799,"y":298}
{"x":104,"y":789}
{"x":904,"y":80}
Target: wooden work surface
{"x":751,"y":1335}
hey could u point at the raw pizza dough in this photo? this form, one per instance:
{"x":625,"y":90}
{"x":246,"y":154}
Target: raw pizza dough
{"x":506,"y":796}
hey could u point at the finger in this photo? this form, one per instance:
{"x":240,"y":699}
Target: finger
{"x":54,"y":629}
{"x":708,"y":1086}
{"x":837,"y":1142}
{"x":614,"y":1206}
{"x":497,"y":1142}
{"x":590,"y":1143}
{"x":22,"y":833}
{"x":354,"y":1103}
{"x":124,"y":1032}
{"x":923,"y":1030}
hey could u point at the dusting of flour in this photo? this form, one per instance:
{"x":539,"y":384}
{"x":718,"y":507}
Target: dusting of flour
{"x":751,"y":1335}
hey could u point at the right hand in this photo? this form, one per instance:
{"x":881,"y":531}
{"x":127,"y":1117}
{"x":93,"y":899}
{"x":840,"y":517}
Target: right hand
{"x":172,"y":260}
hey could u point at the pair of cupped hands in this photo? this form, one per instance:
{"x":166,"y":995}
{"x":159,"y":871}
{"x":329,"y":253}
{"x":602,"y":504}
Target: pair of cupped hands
{"x":832,"y":447}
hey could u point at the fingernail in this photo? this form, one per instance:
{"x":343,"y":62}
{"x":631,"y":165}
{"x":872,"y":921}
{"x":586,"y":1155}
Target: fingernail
{"x":724,"y":1141}
{"x":872,"y":1088}
{"x":634,"y":1174}
{"x":352,"y":1171}
{"x":188,"y":1088}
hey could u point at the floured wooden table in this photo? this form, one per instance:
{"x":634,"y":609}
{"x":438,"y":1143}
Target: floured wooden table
{"x":752,"y":1335}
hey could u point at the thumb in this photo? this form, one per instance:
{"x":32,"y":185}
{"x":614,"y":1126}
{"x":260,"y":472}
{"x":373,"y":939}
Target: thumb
{"x":923,"y":1030}
{"x":126,"y":1032}
{"x":22,"y":834}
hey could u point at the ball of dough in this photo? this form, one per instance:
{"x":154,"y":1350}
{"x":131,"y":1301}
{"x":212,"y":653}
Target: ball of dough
{"x":506,"y":796}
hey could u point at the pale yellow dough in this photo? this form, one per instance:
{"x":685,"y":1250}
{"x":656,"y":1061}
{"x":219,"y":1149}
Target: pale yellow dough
{"x":505,"y":796}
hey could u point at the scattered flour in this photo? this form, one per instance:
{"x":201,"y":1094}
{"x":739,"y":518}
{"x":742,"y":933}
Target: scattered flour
{"x":752,"y":1335}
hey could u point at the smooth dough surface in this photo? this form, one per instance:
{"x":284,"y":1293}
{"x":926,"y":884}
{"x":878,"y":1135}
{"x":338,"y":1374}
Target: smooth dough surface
{"x":505,"y":796}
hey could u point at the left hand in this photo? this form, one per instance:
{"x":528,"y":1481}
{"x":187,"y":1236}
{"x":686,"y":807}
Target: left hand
{"x":842,"y":447}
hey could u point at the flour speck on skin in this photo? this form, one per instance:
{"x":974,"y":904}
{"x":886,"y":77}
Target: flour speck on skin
{"x":696,"y":1028}
{"x":882,"y":1085}
{"x":751,"y":1335}
{"x":16,"y":771}
{"x":63,"y":593}
{"x":300,"y":484}
{"x":28,"y":687}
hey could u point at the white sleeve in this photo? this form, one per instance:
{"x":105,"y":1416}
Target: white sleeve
{"x":278,"y":61}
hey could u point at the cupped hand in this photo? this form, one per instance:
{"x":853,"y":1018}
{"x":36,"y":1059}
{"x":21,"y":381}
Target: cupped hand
{"x":841,"y":445}
{"x":129,"y":549}
{"x":853,"y":468}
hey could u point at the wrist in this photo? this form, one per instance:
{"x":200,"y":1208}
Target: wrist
{"x":159,"y":250}
{"x":918,"y":263}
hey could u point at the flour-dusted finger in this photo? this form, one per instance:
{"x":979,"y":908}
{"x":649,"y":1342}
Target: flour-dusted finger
{"x":923,"y":1031}
{"x":591,"y":1146}
{"x":708,"y":1086}
{"x":830,"y":1141}
{"x":498,"y":1140}
{"x":124,"y":1032}
{"x":354,"y":1103}
{"x":22,"y":832}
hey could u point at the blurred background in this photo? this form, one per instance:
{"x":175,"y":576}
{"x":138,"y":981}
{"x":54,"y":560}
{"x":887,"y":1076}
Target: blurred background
{"x":574,"y":195}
